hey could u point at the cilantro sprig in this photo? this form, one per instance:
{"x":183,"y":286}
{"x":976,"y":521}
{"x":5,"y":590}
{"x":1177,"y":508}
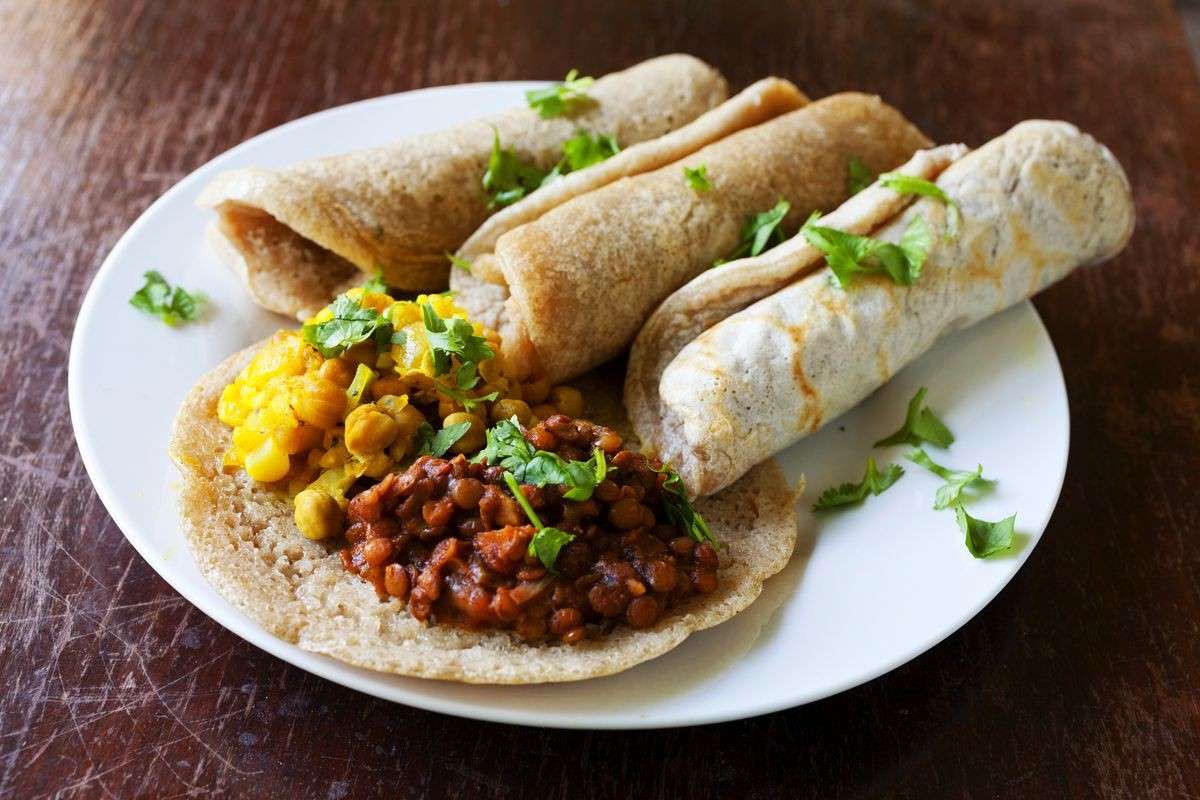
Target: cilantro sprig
{"x":507,"y":447}
{"x":438,"y":443}
{"x":452,"y":337}
{"x":465,"y":379}
{"x":172,"y":305}
{"x":679,"y":508}
{"x":874,"y":482}
{"x":848,"y":254}
{"x":351,"y":324}
{"x":547,"y":541}
{"x":985,"y":538}
{"x":697,"y":178}
{"x":949,"y":494}
{"x":761,"y":232}
{"x":909,"y":184}
{"x":582,"y":151}
{"x":508,"y":178}
{"x":920,"y":425}
{"x":858,"y":177}
{"x":560,"y":98}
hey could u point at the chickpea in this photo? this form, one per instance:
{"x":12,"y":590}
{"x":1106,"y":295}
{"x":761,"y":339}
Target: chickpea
{"x":447,"y":407}
{"x":377,"y":466}
{"x":268,"y":463}
{"x":544,"y":411}
{"x":337,"y":371}
{"x":388,"y":385}
{"x":535,"y":392}
{"x":473,"y":439}
{"x":320,"y":402}
{"x":300,"y":439}
{"x":409,"y":419}
{"x":509,"y":408}
{"x":318,"y":515}
{"x":567,"y":400}
{"x":369,"y":430}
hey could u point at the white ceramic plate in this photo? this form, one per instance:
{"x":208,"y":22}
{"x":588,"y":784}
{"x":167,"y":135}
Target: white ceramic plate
{"x":868,"y":589}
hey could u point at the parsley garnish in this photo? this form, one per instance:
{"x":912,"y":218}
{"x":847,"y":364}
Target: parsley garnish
{"x":697,"y":178}
{"x":760,"y":233}
{"x":350,"y":324}
{"x":859,"y":176}
{"x":848,"y":254}
{"x":908,"y":184}
{"x":920,"y":425}
{"x":950,"y":493}
{"x":459,"y":263}
{"x":546,"y":542}
{"x":171,"y":305}
{"x":439,"y":443}
{"x":873,"y":482}
{"x":985,"y":538}
{"x":559,"y":98}
{"x":679,"y":508}
{"x":508,"y":178}
{"x":451,"y":337}
{"x":507,"y":447}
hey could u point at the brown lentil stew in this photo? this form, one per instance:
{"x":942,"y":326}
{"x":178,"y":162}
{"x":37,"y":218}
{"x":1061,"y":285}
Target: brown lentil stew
{"x":446,"y":536}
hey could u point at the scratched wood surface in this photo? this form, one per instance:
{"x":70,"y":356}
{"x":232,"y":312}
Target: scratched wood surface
{"x":1081,"y":680}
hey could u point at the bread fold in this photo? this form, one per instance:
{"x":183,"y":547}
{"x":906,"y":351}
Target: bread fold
{"x":1035,"y":204}
{"x":582,"y":278}
{"x":299,"y":234}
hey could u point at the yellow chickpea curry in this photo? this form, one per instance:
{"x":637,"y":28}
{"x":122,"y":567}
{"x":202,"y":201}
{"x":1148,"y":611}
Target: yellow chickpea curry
{"x":367,"y":383}
{"x":366,"y":417}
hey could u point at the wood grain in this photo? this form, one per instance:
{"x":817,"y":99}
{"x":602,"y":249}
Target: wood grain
{"x":1081,"y":680}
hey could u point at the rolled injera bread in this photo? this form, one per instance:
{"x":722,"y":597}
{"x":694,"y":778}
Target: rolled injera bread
{"x":301,"y":234}
{"x":757,"y":103}
{"x":584,"y":277}
{"x":722,"y":291}
{"x":1035,"y":204}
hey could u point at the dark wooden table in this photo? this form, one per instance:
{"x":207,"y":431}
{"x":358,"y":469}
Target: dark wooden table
{"x":1081,"y":680}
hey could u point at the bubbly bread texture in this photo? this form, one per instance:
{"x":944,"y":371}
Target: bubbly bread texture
{"x":1035,"y":204}
{"x":300,"y":234}
{"x":585,"y":276}
{"x":246,"y":544}
{"x":722,"y":291}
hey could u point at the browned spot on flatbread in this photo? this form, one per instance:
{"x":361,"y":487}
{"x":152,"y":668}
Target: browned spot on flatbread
{"x":810,"y":418}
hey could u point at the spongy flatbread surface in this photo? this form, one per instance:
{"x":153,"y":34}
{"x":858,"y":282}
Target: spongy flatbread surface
{"x":400,"y":207}
{"x":246,"y":545}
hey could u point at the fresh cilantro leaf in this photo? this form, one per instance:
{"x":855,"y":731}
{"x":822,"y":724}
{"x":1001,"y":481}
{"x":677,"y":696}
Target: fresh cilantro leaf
{"x":859,"y":176}
{"x":376,"y":285}
{"x":171,"y":305}
{"x":507,"y":447}
{"x":956,"y":480}
{"x":581,"y":151}
{"x":761,"y":232}
{"x":439,"y":443}
{"x":679,"y":508}
{"x":452,"y":337}
{"x":465,"y":379}
{"x":909,"y":184}
{"x":985,"y":538}
{"x":920,"y":425}
{"x":547,"y":542}
{"x":559,"y":98}
{"x":848,"y":254}
{"x":873,"y":482}
{"x":585,"y":149}
{"x":697,"y":178}
{"x":459,"y":263}
{"x":350,"y":324}
{"x":507,"y":178}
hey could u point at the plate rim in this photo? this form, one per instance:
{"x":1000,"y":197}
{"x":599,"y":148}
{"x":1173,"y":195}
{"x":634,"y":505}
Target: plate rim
{"x":349,"y":676}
